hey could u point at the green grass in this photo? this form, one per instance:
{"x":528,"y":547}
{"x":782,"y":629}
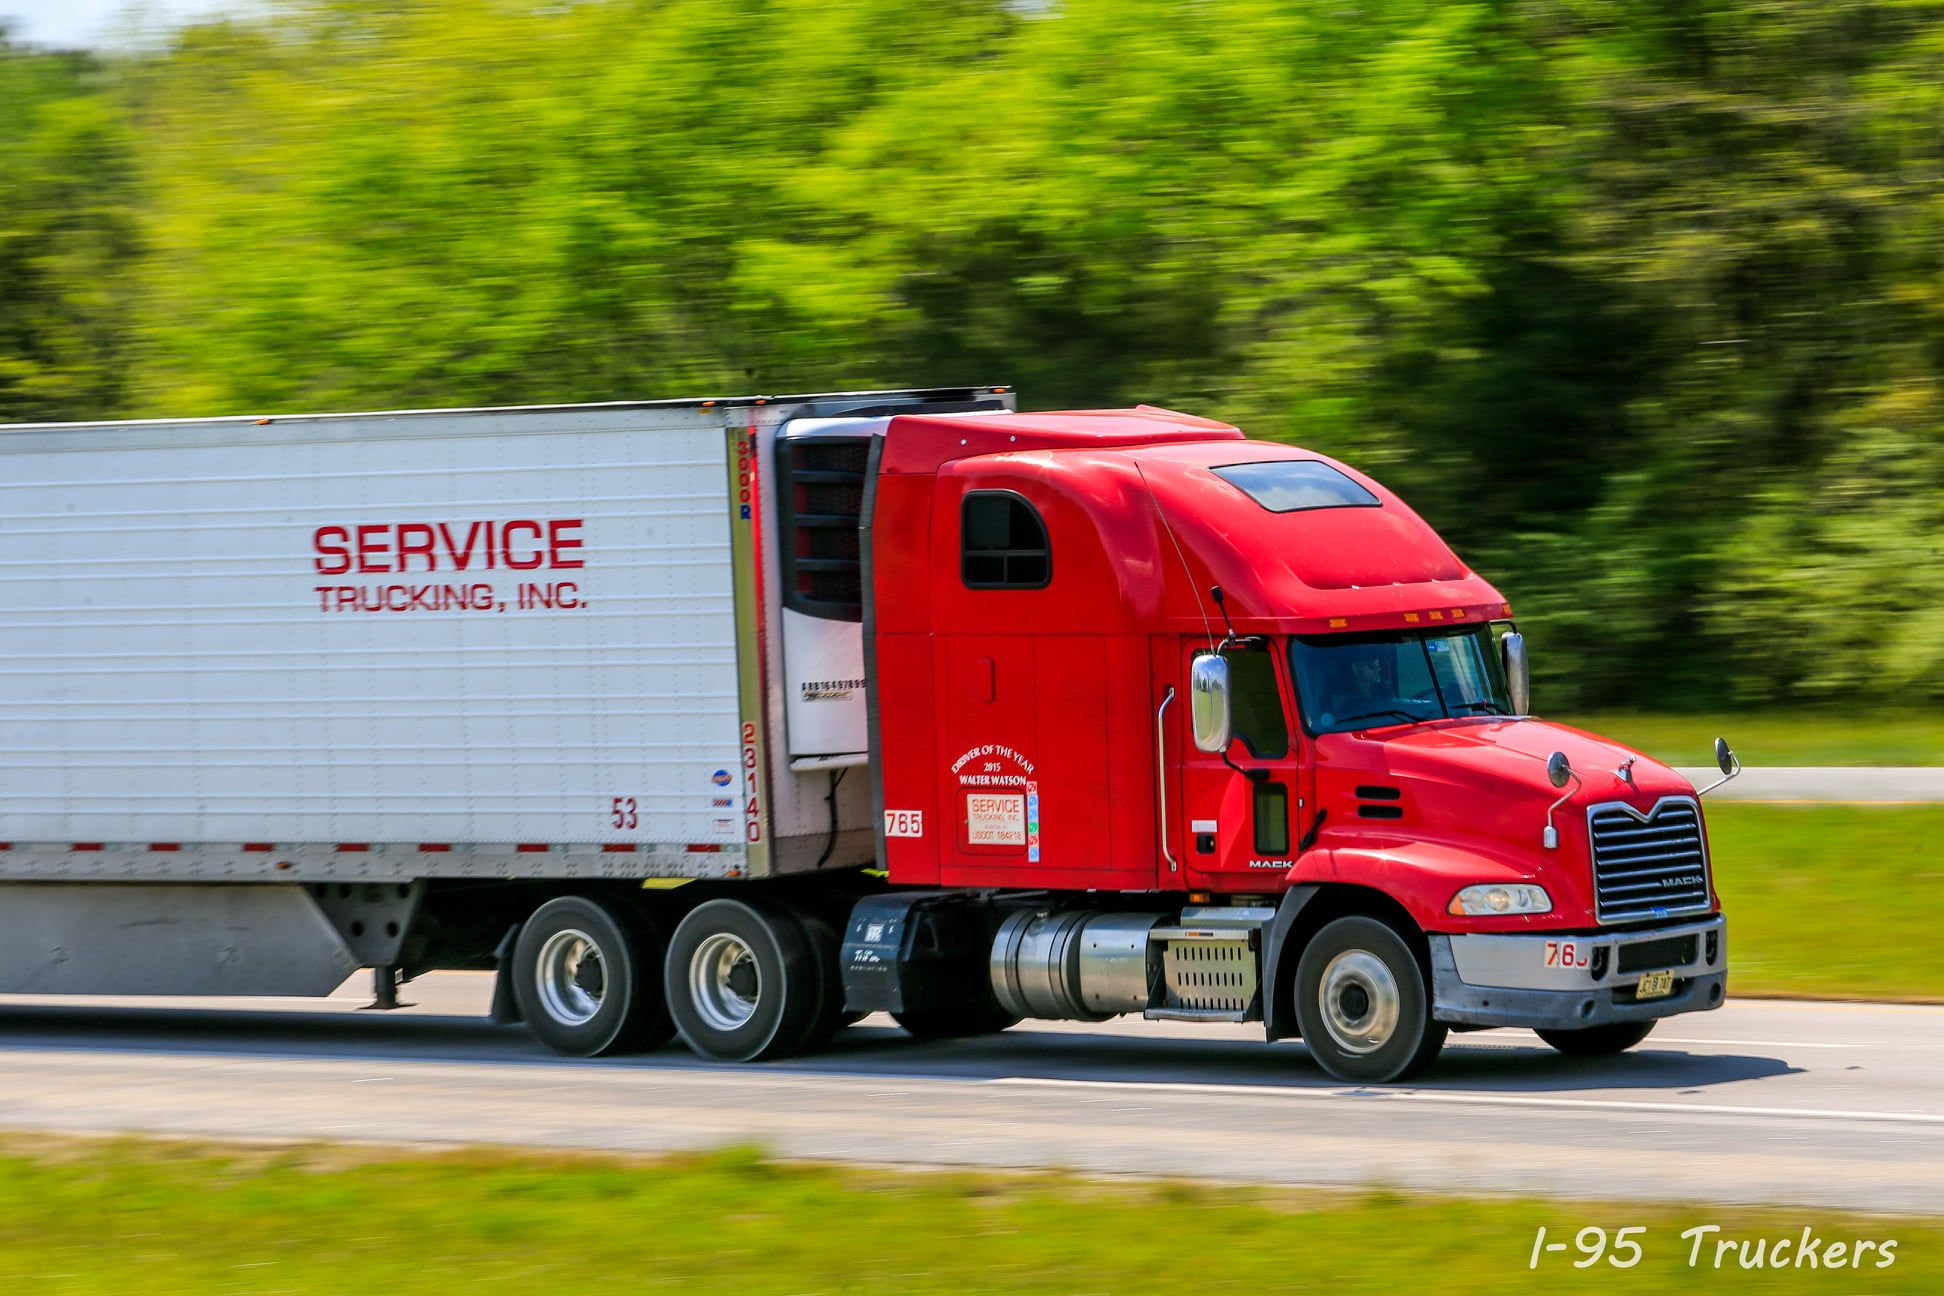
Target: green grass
{"x":1778,"y":737}
{"x":1831,"y":900}
{"x":132,"y":1218}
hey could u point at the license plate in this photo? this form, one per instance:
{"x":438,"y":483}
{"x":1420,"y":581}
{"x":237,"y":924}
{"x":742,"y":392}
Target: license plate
{"x":1655,"y":985}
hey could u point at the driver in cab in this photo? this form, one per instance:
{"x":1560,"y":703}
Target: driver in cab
{"x":1363,"y":689}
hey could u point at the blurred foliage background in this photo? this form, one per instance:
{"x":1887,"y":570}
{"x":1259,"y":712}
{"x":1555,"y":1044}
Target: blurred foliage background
{"x":1638,"y":302}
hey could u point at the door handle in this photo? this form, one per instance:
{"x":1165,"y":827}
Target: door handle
{"x":1161,"y":775}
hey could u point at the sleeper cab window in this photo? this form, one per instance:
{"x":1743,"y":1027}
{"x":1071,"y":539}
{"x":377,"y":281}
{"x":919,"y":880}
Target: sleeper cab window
{"x":1296,"y":485}
{"x":1004,"y":542}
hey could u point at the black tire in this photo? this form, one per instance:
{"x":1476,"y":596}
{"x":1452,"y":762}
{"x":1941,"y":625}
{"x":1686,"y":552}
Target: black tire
{"x":742,"y":981}
{"x":1380,"y":1029}
{"x":830,"y":1016}
{"x":587,"y":977}
{"x":1598,"y":1041}
{"x":955,"y":1023}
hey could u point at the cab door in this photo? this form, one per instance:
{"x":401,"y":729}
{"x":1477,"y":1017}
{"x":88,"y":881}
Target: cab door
{"x":1241,"y":819}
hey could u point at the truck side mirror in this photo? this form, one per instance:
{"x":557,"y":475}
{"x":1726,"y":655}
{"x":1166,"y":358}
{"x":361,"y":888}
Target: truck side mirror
{"x":1558,"y":769}
{"x":1518,"y":673}
{"x":1208,"y":701}
{"x":1729,"y":763}
{"x":1559,"y":772}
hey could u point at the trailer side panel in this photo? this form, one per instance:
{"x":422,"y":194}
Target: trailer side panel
{"x":498,"y":627}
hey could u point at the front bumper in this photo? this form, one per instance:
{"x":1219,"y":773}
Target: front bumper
{"x":1493,"y":980}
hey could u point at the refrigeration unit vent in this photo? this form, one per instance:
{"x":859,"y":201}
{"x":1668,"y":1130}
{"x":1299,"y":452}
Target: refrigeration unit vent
{"x":820,"y":495}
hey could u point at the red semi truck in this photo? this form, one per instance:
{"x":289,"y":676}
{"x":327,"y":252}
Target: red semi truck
{"x":1145,"y":717}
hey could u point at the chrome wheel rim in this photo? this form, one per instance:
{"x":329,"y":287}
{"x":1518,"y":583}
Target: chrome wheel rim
{"x":1361,"y":1002}
{"x":725,"y":984}
{"x":573,"y":977}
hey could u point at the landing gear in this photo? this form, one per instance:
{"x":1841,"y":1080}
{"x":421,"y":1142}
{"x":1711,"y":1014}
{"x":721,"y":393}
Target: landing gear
{"x":1363,"y":1005}
{"x":1598,"y":1041}
{"x":588,"y":979}
{"x":384,"y":990}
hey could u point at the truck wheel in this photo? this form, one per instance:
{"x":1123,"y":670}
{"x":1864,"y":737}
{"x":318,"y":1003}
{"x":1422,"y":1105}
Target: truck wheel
{"x":827,"y":952}
{"x":586,"y":974}
{"x":960,"y":1024}
{"x":1362,"y":1003}
{"x":1598,"y":1041}
{"x":742,"y":981}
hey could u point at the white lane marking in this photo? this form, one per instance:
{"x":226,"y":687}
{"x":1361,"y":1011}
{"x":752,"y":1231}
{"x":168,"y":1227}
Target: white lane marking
{"x":1494,"y":1037}
{"x":1471,"y":1100}
{"x":1740,"y":1043}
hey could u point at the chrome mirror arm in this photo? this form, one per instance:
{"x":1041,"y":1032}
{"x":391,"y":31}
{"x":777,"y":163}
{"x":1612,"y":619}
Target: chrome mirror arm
{"x":1551,"y":838}
{"x":1732,"y":773}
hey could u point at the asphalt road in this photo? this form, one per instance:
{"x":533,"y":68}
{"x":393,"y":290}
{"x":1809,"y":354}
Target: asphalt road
{"x":1851,"y":785}
{"x":1834,"y":1105}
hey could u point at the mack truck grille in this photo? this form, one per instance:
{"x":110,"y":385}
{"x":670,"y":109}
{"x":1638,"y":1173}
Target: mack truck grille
{"x":1648,"y":865}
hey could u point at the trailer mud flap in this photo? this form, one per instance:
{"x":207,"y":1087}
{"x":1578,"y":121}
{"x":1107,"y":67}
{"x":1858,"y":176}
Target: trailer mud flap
{"x":506,"y":1005}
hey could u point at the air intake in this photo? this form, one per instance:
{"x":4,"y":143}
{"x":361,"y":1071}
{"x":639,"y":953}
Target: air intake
{"x":1650,"y":865}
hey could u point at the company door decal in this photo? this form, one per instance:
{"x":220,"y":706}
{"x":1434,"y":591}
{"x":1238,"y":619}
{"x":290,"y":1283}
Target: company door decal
{"x":1000,"y":796}
{"x":995,"y":819}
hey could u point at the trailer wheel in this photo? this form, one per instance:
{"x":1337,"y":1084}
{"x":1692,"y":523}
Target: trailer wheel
{"x":1598,"y":1041}
{"x":742,"y":981}
{"x":586,"y":976}
{"x":1363,"y":1005}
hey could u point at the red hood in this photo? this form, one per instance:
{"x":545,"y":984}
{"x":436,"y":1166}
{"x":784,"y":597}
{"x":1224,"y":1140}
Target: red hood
{"x":1505,"y":755}
{"x":1478,"y":787}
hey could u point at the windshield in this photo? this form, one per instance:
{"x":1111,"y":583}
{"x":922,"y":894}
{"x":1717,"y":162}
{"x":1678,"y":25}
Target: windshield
{"x":1362,"y":681}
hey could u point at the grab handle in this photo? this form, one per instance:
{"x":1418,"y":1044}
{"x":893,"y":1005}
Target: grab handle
{"x":1161,"y":775}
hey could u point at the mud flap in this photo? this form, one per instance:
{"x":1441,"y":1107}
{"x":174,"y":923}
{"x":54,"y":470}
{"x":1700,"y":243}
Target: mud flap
{"x":1279,"y":1009}
{"x":506,"y":1008}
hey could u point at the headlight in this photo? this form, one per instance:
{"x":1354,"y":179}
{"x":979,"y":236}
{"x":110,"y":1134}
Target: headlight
{"x":1494,"y":898}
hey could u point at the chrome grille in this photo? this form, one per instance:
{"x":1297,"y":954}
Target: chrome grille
{"x":1648,"y":866}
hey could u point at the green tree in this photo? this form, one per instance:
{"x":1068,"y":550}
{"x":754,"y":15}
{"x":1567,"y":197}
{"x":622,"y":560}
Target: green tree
{"x":1636,"y":300}
{"x":66,"y":239}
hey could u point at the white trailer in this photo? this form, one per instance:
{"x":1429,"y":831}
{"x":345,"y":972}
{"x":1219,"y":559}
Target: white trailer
{"x":281,"y":698}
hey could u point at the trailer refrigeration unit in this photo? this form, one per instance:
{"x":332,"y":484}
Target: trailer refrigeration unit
{"x":740,"y":718}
